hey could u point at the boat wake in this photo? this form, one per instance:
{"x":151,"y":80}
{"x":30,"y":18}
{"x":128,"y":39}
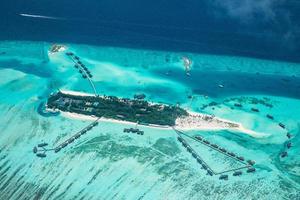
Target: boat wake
{"x":41,"y":16}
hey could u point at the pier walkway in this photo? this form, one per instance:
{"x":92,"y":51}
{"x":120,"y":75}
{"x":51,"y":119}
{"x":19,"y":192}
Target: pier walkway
{"x":84,"y":71}
{"x":76,"y":136}
{"x":198,"y":157}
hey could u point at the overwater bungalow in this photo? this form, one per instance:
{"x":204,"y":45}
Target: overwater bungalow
{"x":71,"y":140}
{"x":84,"y":76}
{"x":34,"y":150}
{"x":249,"y":170}
{"x":283,"y":154}
{"x":179,"y":139}
{"x":238,"y":105}
{"x":214,"y":145}
{"x":231,"y":154}
{"x":140,"y":132}
{"x":64,"y":145}
{"x":41,"y":155}
{"x":281,"y":125}
{"x":79,"y":62}
{"x":199,"y":160}
{"x":90,"y":75}
{"x":80,"y":71}
{"x":270,"y":116}
{"x":184,"y":144}
{"x":204,"y":166}
{"x":89,"y":128}
{"x":206,"y":142}
{"x":76,"y":58}
{"x":251,"y":162}
{"x":223,"y":150}
{"x":83,"y":131}
{"x":139,"y":96}
{"x":42,"y":144}
{"x":69,"y":54}
{"x":76,"y":66}
{"x":194,"y":154}
{"x":126,"y":130}
{"x":237,"y":173}
{"x":223,"y":177}
{"x":57,"y":149}
{"x":241,"y":158}
{"x":77,"y":136}
{"x":289,"y":135}
{"x":254,"y":109}
{"x":209,"y":172}
{"x":289,"y":145}
{"x":198,"y":137}
{"x":95,"y":123}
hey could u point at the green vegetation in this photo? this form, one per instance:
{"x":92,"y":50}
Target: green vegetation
{"x":117,"y":108}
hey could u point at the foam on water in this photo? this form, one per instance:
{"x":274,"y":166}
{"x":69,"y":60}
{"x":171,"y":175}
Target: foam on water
{"x":109,"y":164}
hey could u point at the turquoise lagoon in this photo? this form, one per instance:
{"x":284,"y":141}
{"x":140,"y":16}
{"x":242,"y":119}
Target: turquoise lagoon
{"x":109,"y":164}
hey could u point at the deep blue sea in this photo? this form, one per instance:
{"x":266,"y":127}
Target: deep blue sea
{"x":264,"y":29}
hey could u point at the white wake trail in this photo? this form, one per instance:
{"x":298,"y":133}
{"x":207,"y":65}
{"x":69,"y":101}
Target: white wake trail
{"x":41,"y":16}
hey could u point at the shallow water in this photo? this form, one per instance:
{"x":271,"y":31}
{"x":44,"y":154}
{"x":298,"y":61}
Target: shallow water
{"x":109,"y":164}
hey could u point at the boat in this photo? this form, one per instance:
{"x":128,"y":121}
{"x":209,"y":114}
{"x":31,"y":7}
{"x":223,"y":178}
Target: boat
{"x":221,"y":86}
{"x":34,"y":149}
{"x":41,"y":155}
{"x":238,"y":105}
{"x":289,"y":145}
{"x":254,"y":109}
{"x":283,"y":154}
{"x":250,"y":170}
{"x":237,"y":173}
{"x":223,"y":177}
{"x":42,"y":144}
{"x":270,"y":116}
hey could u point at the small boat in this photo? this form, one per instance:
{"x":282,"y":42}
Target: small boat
{"x":238,"y":105}
{"x":34,"y":149}
{"x":254,"y":109}
{"x":223,"y":177}
{"x":289,"y":145}
{"x":283,"y":154}
{"x":41,"y":155}
{"x":209,"y":172}
{"x":42,"y":144}
{"x":221,"y":86}
{"x":281,"y":125}
{"x":237,"y":173}
{"x":249,"y":170}
{"x":270,"y":116}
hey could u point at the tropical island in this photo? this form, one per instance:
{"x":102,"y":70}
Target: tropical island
{"x":137,"y":111}
{"x":131,"y":110}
